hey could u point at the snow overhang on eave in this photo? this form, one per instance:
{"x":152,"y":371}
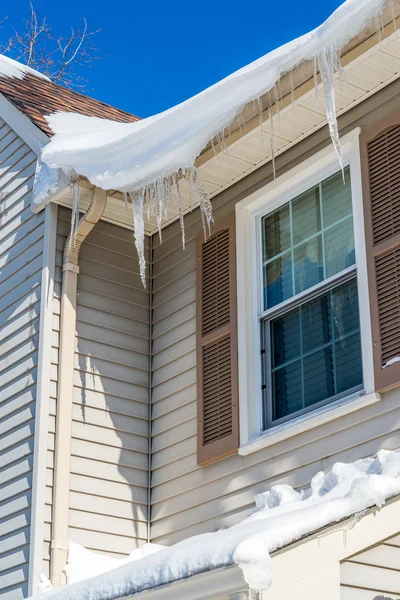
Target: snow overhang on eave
{"x":370,"y":62}
{"x":305,"y":560}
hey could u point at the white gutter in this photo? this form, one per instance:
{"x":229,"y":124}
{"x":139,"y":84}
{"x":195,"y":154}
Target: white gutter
{"x":226,"y":582}
{"x":63,"y":435}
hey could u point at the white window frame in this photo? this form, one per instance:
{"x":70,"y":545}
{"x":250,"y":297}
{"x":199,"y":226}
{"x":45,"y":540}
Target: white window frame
{"x":249,"y":294}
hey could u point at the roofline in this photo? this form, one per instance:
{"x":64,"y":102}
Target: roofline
{"x":303,"y":81}
{"x":304,"y":559}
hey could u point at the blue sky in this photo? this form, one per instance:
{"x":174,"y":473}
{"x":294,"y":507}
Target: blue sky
{"x":160,"y":53}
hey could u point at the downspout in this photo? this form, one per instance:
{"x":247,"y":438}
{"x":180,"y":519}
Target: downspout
{"x":62,"y":460}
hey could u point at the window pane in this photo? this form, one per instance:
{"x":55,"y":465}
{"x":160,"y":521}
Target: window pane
{"x":316,"y":351}
{"x":316,"y":323}
{"x":277,"y":233}
{"x":287,"y":390}
{"x":348,"y":363}
{"x":286,"y":338}
{"x":345,"y":309}
{"x":308,"y":265}
{"x":306,"y":216}
{"x":336,"y":198}
{"x":278,"y":280}
{"x":318,"y":376}
{"x":313,"y":235}
{"x":339,"y":247}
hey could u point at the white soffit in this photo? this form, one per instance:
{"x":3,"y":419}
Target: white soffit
{"x":372,"y":70}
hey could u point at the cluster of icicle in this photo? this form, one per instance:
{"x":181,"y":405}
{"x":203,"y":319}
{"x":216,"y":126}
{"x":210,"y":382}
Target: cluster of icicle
{"x":157,"y":197}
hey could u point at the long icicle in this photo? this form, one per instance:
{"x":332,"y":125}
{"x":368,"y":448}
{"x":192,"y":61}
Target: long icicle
{"x":272,"y":141}
{"x":180,"y":206}
{"x":138,"y":224}
{"x":75,"y":210}
{"x":326,"y":60}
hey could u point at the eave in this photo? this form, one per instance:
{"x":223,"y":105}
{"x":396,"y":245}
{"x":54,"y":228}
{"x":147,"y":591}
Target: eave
{"x":302,"y":569}
{"x":370,"y":62}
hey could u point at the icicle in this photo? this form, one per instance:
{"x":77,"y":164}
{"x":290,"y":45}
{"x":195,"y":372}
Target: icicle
{"x":213,"y":148}
{"x":338,"y":67}
{"x":205,"y":204}
{"x":138,"y":224}
{"x":189,"y":179}
{"x":75,"y":211}
{"x":159,"y":207}
{"x":222,"y":144}
{"x":180,"y":207}
{"x":276,"y":93}
{"x":326,"y":68}
{"x":260,"y":118}
{"x":126,"y":200}
{"x":272,"y":142}
{"x":392,"y":4}
{"x":168,"y":192}
{"x":149,"y":202}
{"x":241,"y":121}
{"x":316,"y":79}
{"x":292,"y":98}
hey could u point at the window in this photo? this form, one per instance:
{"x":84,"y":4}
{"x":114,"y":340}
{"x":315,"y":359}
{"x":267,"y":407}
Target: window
{"x":304,"y":316}
{"x":310,"y":326}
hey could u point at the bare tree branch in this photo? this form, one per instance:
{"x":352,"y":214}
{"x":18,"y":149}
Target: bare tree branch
{"x":60,"y":58}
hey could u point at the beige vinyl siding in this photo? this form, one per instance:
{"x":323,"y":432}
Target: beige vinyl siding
{"x":109,"y":463}
{"x":372,"y":574}
{"x":21,"y":243}
{"x":186,"y":499}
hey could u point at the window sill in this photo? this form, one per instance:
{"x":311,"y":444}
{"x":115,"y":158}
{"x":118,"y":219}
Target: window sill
{"x":303,"y":423}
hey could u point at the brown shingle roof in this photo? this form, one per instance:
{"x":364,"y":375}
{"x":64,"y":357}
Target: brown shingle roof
{"x":37,"y":97}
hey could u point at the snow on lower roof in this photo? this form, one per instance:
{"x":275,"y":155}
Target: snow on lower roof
{"x":12,"y":68}
{"x":282,"y":516}
{"x":147,"y":158}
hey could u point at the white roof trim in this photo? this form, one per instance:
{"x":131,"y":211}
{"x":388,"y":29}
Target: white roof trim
{"x":34,"y":137}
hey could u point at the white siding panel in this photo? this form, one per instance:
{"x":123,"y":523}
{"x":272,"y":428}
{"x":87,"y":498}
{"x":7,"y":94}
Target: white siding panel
{"x":21,"y":244}
{"x":372,"y":574}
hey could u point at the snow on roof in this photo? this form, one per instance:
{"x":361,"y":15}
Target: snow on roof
{"x":145,"y":158}
{"x":12,"y":68}
{"x":282,"y":516}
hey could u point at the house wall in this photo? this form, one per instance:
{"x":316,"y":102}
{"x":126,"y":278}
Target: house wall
{"x":373,"y":574}
{"x":187,"y":499}
{"x":109,"y":462}
{"x":21,"y":244}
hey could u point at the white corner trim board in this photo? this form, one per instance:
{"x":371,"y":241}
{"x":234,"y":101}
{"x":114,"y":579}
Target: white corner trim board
{"x":248,"y":214}
{"x":42,"y":398}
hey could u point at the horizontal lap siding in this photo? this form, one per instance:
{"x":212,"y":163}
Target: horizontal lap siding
{"x":187,"y":499}
{"x":109,"y":463}
{"x":372,"y":574}
{"x":21,"y":244}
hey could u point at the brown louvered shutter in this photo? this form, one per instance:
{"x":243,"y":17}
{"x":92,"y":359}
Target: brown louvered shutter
{"x":217,"y":383}
{"x":380,"y":155}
